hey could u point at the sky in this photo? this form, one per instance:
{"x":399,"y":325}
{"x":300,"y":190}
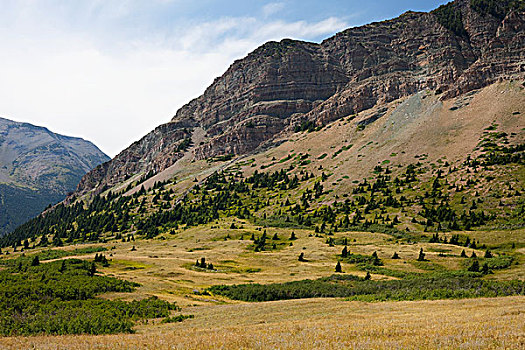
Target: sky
{"x":111,"y":71}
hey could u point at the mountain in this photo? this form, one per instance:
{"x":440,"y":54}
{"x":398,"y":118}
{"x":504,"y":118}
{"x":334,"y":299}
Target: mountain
{"x":287,"y":85}
{"x":38,"y":168}
{"x":386,"y":163}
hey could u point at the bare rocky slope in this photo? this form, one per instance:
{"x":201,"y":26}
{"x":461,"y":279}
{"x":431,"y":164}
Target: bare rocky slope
{"x":37,"y":168}
{"x":290,"y":85}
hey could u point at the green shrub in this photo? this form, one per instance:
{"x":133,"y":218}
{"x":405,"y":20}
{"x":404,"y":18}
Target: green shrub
{"x":59,"y":298}
{"x":430,"y":286}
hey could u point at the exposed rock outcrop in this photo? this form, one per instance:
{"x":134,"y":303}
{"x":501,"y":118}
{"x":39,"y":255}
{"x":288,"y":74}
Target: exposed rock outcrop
{"x":451,"y":50}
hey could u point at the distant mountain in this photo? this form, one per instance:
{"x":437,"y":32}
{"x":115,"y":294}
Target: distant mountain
{"x":38,"y":168}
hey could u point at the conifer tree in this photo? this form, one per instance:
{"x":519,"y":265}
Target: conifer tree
{"x":463,"y":254}
{"x":395,"y":256}
{"x":421,"y":256}
{"x":338,"y":267}
{"x":62,"y":266}
{"x":376,"y":261}
{"x":474,"y":267}
{"x":35,"y":261}
{"x":344,"y":252}
{"x":92,"y":269}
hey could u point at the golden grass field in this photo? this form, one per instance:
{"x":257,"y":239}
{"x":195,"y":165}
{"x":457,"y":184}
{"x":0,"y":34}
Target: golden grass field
{"x":491,"y":323}
{"x":163,"y":267}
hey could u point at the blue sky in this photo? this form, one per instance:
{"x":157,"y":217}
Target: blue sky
{"x":110,"y":71}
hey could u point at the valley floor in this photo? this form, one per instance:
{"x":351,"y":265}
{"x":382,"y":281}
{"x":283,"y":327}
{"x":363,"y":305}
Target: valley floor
{"x":486,"y":323}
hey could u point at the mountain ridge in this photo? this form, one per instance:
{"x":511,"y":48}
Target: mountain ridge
{"x":37,"y":168}
{"x":282,"y":84}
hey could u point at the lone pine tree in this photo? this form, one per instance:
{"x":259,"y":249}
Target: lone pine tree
{"x":421,"y":256}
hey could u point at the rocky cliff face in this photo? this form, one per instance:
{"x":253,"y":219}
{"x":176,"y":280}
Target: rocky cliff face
{"x":456,"y":48}
{"x":38,"y":167}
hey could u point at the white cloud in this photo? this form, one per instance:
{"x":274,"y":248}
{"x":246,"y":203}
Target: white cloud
{"x":272,"y":8}
{"x":113,"y":89}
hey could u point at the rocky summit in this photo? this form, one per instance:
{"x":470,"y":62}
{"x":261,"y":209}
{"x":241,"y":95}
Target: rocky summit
{"x":38,"y":168}
{"x":292,"y":85}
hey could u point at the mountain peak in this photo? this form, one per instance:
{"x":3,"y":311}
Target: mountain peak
{"x":38,"y":167}
{"x":458,"y":47}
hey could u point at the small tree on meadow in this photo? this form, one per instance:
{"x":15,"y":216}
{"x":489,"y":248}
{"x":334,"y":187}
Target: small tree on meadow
{"x":344,"y":252}
{"x":92,"y":269}
{"x":474,"y":267}
{"x":376,"y":261}
{"x":62,"y":267}
{"x":395,"y":256}
{"x":338,"y":267}
{"x":421,"y":256}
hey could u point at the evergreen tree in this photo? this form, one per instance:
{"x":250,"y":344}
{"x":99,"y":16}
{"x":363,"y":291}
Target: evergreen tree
{"x":367,"y":277}
{"x":293,"y":237}
{"x":35,"y":261}
{"x":421,"y":256}
{"x":376,"y":261}
{"x":301,"y":257}
{"x":92,"y":269}
{"x":485,"y":269}
{"x":344,"y":252}
{"x":475,"y":266}
{"x":395,"y":256}
{"x":488,"y":254}
{"x":62,"y":266}
{"x":338,"y":267}
{"x":463,"y":254}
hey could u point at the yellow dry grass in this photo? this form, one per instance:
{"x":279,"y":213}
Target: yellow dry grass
{"x":491,"y":323}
